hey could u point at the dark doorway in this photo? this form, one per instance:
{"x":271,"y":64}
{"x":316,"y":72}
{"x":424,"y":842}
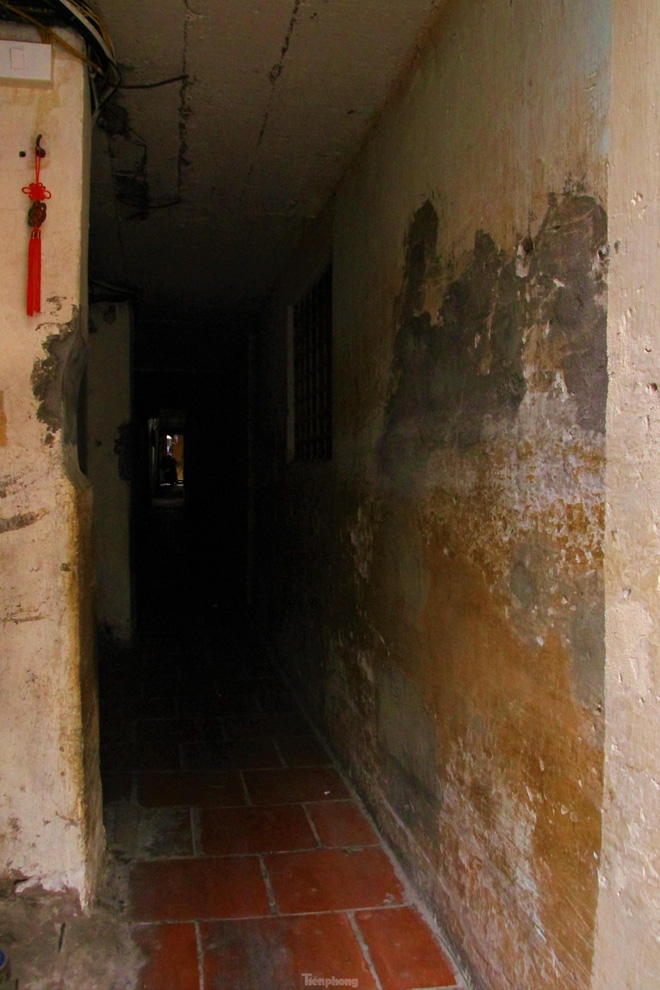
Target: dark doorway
{"x":191,"y":507}
{"x":167,"y":455}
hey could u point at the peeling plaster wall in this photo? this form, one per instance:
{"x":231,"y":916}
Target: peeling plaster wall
{"x":50,"y":796}
{"x":628,"y":933}
{"x":109,"y":459}
{"x":438,"y":594}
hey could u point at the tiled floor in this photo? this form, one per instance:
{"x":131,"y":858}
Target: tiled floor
{"x":252,"y":866}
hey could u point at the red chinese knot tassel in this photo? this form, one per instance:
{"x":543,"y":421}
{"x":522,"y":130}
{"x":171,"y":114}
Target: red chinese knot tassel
{"x":36,"y":216}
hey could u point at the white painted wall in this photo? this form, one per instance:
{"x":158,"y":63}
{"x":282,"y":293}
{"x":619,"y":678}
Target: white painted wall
{"x":109,"y":409}
{"x":628,"y":933}
{"x":50,"y":821}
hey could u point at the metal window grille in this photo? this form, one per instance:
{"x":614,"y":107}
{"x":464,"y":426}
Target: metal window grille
{"x":312,"y":371}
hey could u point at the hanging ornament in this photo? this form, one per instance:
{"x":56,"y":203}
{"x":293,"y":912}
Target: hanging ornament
{"x":36,"y":216}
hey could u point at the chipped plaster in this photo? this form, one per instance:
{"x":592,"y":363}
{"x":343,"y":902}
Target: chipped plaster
{"x":443,"y":606}
{"x":50,"y":821}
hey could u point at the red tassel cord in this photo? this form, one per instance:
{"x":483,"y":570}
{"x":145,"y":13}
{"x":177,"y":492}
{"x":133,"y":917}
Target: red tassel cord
{"x":36,"y":216}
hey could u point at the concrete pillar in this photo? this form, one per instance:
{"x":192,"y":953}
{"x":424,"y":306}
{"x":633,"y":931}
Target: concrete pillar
{"x":627,"y":949}
{"x":109,"y":454}
{"x":50,"y":795}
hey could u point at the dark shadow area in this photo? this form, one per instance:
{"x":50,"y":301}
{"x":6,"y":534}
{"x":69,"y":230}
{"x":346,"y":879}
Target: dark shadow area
{"x":190,"y":553}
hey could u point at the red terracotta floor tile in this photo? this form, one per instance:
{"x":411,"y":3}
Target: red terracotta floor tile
{"x":302,"y":751}
{"x":403,"y":950}
{"x":117,"y":787}
{"x":219,"y":754}
{"x":333,"y":880}
{"x":157,"y":707}
{"x":200,"y":729}
{"x":160,"y":754}
{"x":341,"y":823}
{"x":277,"y":953}
{"x":183,"y":889}
{"x":171,"y":952}
{"x":290,"y":785}
{"x":238,"y":700}
{"x":119,"y":755}
{"x":258,"y":754}
{"x":247,"y":727}
{"x":273,"y":697}
{"x":156,"y":730}
{"x":206,"y":790}
{"x":253,"y":830}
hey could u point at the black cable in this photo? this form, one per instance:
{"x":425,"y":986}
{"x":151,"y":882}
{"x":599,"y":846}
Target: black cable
{"x":154,"y":85}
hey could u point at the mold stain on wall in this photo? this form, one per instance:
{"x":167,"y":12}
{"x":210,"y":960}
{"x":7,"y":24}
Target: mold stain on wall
{"x":464,"y":686}
{"x":56,"y":379}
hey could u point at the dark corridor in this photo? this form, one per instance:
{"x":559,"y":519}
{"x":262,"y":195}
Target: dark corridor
{"x":251,"y":864}
{"x":190,"y":561}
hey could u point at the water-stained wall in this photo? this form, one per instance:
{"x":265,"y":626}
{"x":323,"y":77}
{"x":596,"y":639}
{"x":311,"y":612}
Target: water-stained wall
{"x":438,"y":586}
{"x":50,"y":796}
{"x":486,"y":577}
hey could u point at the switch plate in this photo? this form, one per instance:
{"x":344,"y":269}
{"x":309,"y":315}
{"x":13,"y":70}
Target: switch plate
{"x":25,"y":62}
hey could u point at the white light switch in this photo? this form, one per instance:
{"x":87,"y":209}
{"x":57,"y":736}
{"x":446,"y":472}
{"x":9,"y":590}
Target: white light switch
{"x":25,"y":62}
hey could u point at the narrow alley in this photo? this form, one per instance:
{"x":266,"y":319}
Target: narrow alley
{"x":252,"y":865}
{"x":330,"y":377}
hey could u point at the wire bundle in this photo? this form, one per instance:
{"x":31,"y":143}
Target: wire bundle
{"x":81,"y":15}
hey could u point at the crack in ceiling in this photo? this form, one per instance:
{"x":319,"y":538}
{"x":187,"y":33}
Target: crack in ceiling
{"x":273,"y":76}
{"x":185,"y":108}
{"x":223,"y":155}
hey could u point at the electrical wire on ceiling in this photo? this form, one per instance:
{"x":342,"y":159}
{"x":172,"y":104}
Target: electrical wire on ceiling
{"x":80,"y":15}
{"x":154,"y":85}
{"x":131,"y":185}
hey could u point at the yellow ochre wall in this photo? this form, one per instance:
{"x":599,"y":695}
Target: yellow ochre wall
{"x":440,"y":600}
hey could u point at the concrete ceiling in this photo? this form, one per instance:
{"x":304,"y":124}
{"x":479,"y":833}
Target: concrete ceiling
{"x":201,"y":185}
